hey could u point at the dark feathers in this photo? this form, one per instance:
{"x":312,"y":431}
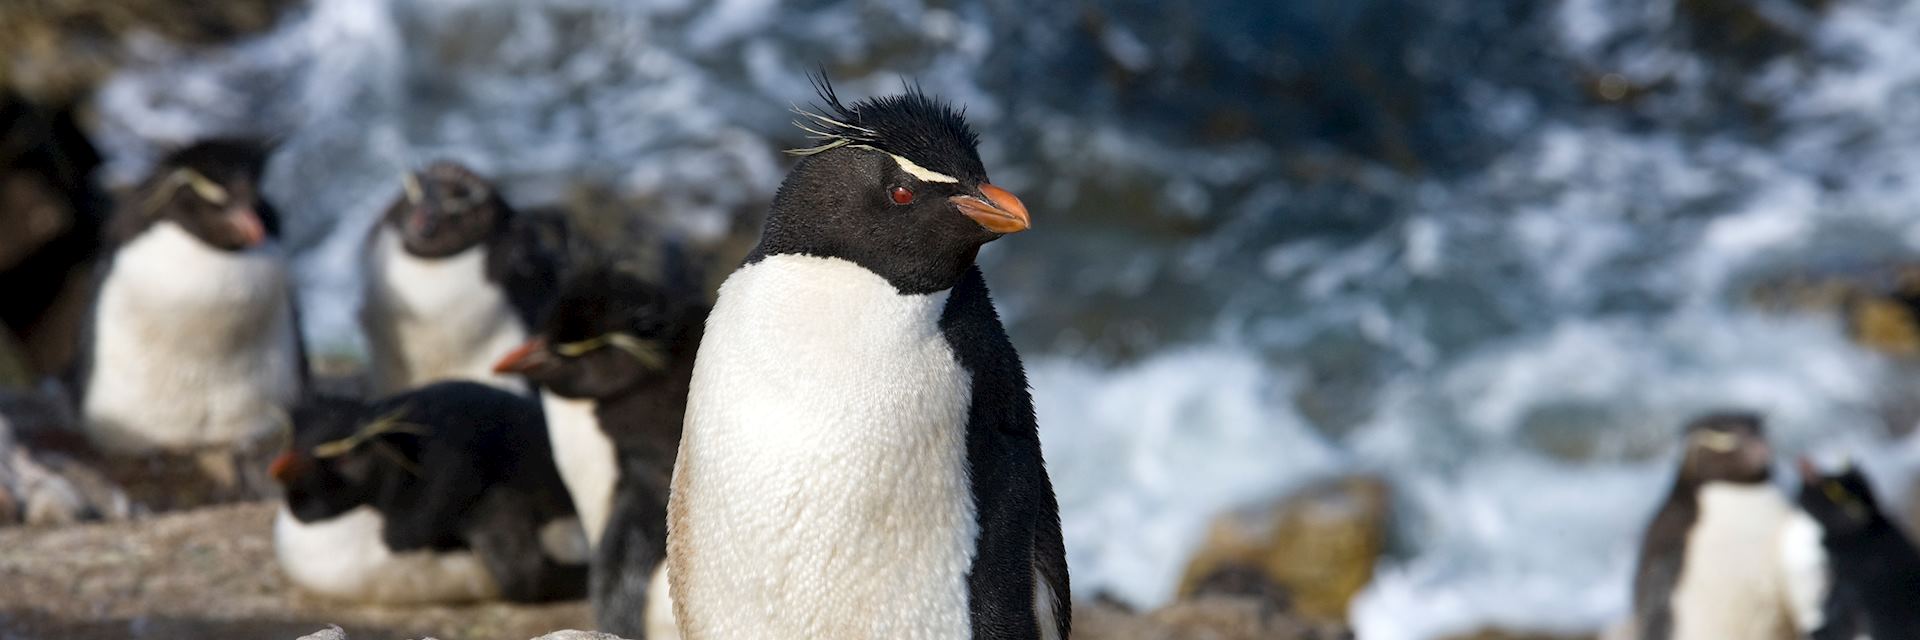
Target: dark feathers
{"x":913,"y":125}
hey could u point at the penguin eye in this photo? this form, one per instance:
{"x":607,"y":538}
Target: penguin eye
{"x":901,"y":195}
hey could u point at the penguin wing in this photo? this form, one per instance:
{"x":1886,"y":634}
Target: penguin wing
{"x":1019,"y":577}
{"x":1662,"y":552}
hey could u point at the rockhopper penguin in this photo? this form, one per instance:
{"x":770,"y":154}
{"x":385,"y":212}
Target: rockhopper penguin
{"x":455,"y":277}
{"x":860,"y":457}
{"x":1727,"y":556}
{"x":193,"y":339}
{"x":1875,"y":564}
{"x":444,"y":494}
{"x":613,"y":360}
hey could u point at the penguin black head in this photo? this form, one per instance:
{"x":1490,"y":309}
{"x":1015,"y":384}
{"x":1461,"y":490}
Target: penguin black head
{"x":1842,"y":503}
{"x":895,"y":186}
{"x":607,"y":332}
{"x":210,"y":189}
{"x":446,"y":209}
{"x":1726,"y":447}
{"x":331,"y":467}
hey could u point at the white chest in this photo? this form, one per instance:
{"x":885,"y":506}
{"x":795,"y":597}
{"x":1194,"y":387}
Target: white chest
{"x":1732,"y":584}
{"x":429,"y":320}
{"x":585,"y":456}
{"x":191,"y":345}
{"x":344,"y":558}
{"x":822,"y":487}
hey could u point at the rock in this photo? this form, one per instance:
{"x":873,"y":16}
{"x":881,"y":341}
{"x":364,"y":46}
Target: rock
{"x":1201,"y":618}
{"x":332,"y":632}
{"x":1319,"y":545}
{"x":57,"y":50}
{"x":1498,"y":634}
{"x":9,"y":507}
{"x":578,"y":635}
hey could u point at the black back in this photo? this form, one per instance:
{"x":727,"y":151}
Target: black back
{"x":640,"y":409}
{"x":1875,"y":565}
{"x":480,"y":477}
{"x":1018,"y":518}
{"x":1721,"y":447}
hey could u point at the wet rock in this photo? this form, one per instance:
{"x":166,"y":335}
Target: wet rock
{"x":1319,"y":545}
{"x":1880,"y":304}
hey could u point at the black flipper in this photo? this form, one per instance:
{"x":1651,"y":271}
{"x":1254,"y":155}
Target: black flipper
{"x":634,"y":545}
{"x":507,"y":541}
{"x":1019,"y":527}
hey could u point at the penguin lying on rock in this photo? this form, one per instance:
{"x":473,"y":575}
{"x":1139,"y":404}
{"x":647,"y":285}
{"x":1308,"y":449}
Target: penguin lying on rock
{"x":445,"y":494}
{"x":860,"y":457}
{"x":1727,"y":556}
{"x":454,"y":278}
{"x":613,"y":361}
{"x":193,"y":339}
{"x":1875,"y":565}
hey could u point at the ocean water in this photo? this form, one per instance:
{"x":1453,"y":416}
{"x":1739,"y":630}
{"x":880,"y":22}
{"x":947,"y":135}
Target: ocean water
{"x":1494,"y":251}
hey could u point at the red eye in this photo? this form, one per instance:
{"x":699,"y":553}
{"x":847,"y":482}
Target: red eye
{"x":901,"y":195}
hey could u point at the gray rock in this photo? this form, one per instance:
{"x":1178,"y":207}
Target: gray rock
{"x":578,"y":635}
{"x":332,"y":632}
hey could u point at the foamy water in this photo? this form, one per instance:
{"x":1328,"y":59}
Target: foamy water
{"x":1512,"y":339}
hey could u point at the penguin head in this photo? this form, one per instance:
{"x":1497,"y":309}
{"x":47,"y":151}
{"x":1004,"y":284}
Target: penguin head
{"x":1726,"y":447}
{"x":445,"y":209}
{"x":896,"y":186}
{"x":333,"y":464}
{"x":211,"y":189}
{"x":1842,"y":503}
{"x":606,"y":333}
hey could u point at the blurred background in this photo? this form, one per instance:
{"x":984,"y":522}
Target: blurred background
{"x":1459,"y":269}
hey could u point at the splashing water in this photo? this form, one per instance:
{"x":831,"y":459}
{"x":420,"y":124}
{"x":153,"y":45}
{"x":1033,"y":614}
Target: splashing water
{"x":1274,"y":242}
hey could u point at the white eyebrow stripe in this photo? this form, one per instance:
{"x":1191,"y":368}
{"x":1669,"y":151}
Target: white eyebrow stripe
{"x":922,"y":173}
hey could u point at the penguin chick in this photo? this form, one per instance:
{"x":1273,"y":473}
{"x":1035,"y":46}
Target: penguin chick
{"x":1874,"y":563}
{"x":1727,"y":556}
{"x":613,"y":361}
{"x":860,"y":457}
{"x":454,"y":277}
{"x":193,"y":338}
{"x":445,"y":494}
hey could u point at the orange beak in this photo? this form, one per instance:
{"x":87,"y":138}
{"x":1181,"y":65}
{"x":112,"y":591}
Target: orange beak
{"x":283,"y":467}
{"x":523,"y":358}
{"x":1000,"y":212}
{"x":247,"y":222}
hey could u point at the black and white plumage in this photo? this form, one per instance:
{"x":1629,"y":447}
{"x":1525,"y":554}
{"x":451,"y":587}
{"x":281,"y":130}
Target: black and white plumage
{"x":454,"y":278}
{"x":861,"y":458}
{"x":1875,"y":565}
{"x":613,"y":360}
{"x":193,"y":339}
{"x":444,"y":494}
{"x":1727,"y":556}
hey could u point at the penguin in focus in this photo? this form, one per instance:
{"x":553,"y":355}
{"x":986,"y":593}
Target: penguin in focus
{"x":193,"y":339}
{"x":455,"y":277}
{"x":443,"y":494}
{"x":1727,"y":555}
{"x":860,"y":457}
{"x":613,"y":361}
{"x":1874,"y":563}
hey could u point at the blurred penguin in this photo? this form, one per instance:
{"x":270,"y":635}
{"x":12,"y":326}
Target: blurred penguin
{"x":194,"y":338}
{"x":444,"y":494}
{"x":455,"y":277}
{"x":1875,"y":564}
{"x":1727,"y":556}
{"x":613,"y":361}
